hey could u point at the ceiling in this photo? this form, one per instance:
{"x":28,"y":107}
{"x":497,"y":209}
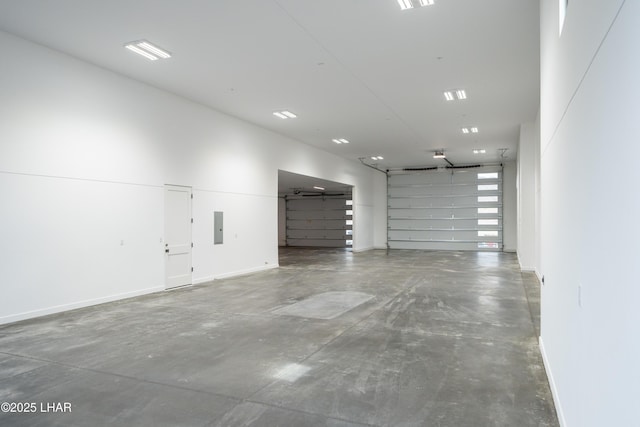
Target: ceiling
{"x":363,"y":70}
{"x":292,"y":183}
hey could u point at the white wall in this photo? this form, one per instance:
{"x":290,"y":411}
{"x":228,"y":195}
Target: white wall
{"x":509,"y":207}
{"x":590,"y":210}
{"x":282,"y":221}
{"x":526,"y":183}
{"x":380,"y":215}
{"x":84,"y":156}
{"x":538,"y":200}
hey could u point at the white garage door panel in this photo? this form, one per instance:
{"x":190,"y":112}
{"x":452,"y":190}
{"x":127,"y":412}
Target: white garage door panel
{"x":316,"y":243}
{"x":435,"y":246}
{"x":453,"y":209}
{"x":326,"y":224}
{"x":319,"y":221}
{"x":318,"y":234}
{"x":317,"y":204}
{"x":309,"y":215}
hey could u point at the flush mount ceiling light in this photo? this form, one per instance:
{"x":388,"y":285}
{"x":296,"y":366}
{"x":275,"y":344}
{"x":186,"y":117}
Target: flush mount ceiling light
{"x":318,"y":188}
{"x":470,"y":130}
{"x":465,"y":130}
{"x":457,"y":94}
{"x":340,"y":141}
{"x":377,"y":158}
{"x":408,"y":4}
{"x":285,"y":114}
{"x":474,"y":130}
{"x":148,"y":50}
{"x":439,"y":155}
{"x":479,"y":151}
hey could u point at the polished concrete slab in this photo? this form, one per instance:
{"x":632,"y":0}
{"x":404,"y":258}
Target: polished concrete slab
{"x":327,"y":305}
{"x":418,"y":339}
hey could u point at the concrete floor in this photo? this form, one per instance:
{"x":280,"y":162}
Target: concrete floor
{"x":434,"y":339}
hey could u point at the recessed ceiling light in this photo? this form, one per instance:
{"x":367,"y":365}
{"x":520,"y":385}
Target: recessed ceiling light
{"x":408,"y":4}
{"x":439,"y":155}
{"x":318,"y":188}
{"x":465,"y":130}
{"x":285,"y":114}
{"x":148,"y":50}
{"x":457,"y":94}
{"x":479,"y":151}
{"x":377,"y":158}
{"x":474,"y":130}
{"x":340,"y":141}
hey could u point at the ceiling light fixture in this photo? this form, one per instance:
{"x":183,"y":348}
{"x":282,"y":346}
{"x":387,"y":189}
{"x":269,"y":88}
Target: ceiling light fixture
{"x":474,"y":130}
{"x":465,"y":130}
{"x":426,"y":2}
{"x":148,"y":50}
{"x":456,"y":94}
{"x":439,"y":155}
{"x":479,"y":151}
{"x":405,"y":4}
{"x":340,"y":141}
{"x":285,"y":114}
{"x":318,"y":188}
{"x":377,"y":158}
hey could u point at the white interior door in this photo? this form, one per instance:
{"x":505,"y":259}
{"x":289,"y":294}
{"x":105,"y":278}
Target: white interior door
{"x":177,"y":235}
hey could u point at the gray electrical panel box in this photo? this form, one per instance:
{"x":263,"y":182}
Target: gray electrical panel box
{"x":217,"y":228}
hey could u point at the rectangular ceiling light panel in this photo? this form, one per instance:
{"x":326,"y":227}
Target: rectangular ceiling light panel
{"x":148,"y":50}
{"x":284,"y":114}
{"x":405,"y":4}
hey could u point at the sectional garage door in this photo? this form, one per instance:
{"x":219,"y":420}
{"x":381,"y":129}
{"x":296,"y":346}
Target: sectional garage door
{"x":446,"y":209}
{"x":319,"y":221}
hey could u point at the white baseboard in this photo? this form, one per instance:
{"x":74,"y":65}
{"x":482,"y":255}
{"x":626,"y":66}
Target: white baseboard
{"x":368,"y":248}
{"x":247,"y":271}
{"x":78,"y":304}
{"x":201,"y":280}
{"x":552,"y":383}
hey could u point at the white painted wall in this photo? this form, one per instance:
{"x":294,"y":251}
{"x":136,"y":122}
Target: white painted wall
{"x":526,"y":182}
{"x":282,"y":222}
{"x":380,"y":214}
{"x":84,"y":156}
{"x":590,"y":210}
{"x":509,"y":207}
{"x":538,"y":200}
